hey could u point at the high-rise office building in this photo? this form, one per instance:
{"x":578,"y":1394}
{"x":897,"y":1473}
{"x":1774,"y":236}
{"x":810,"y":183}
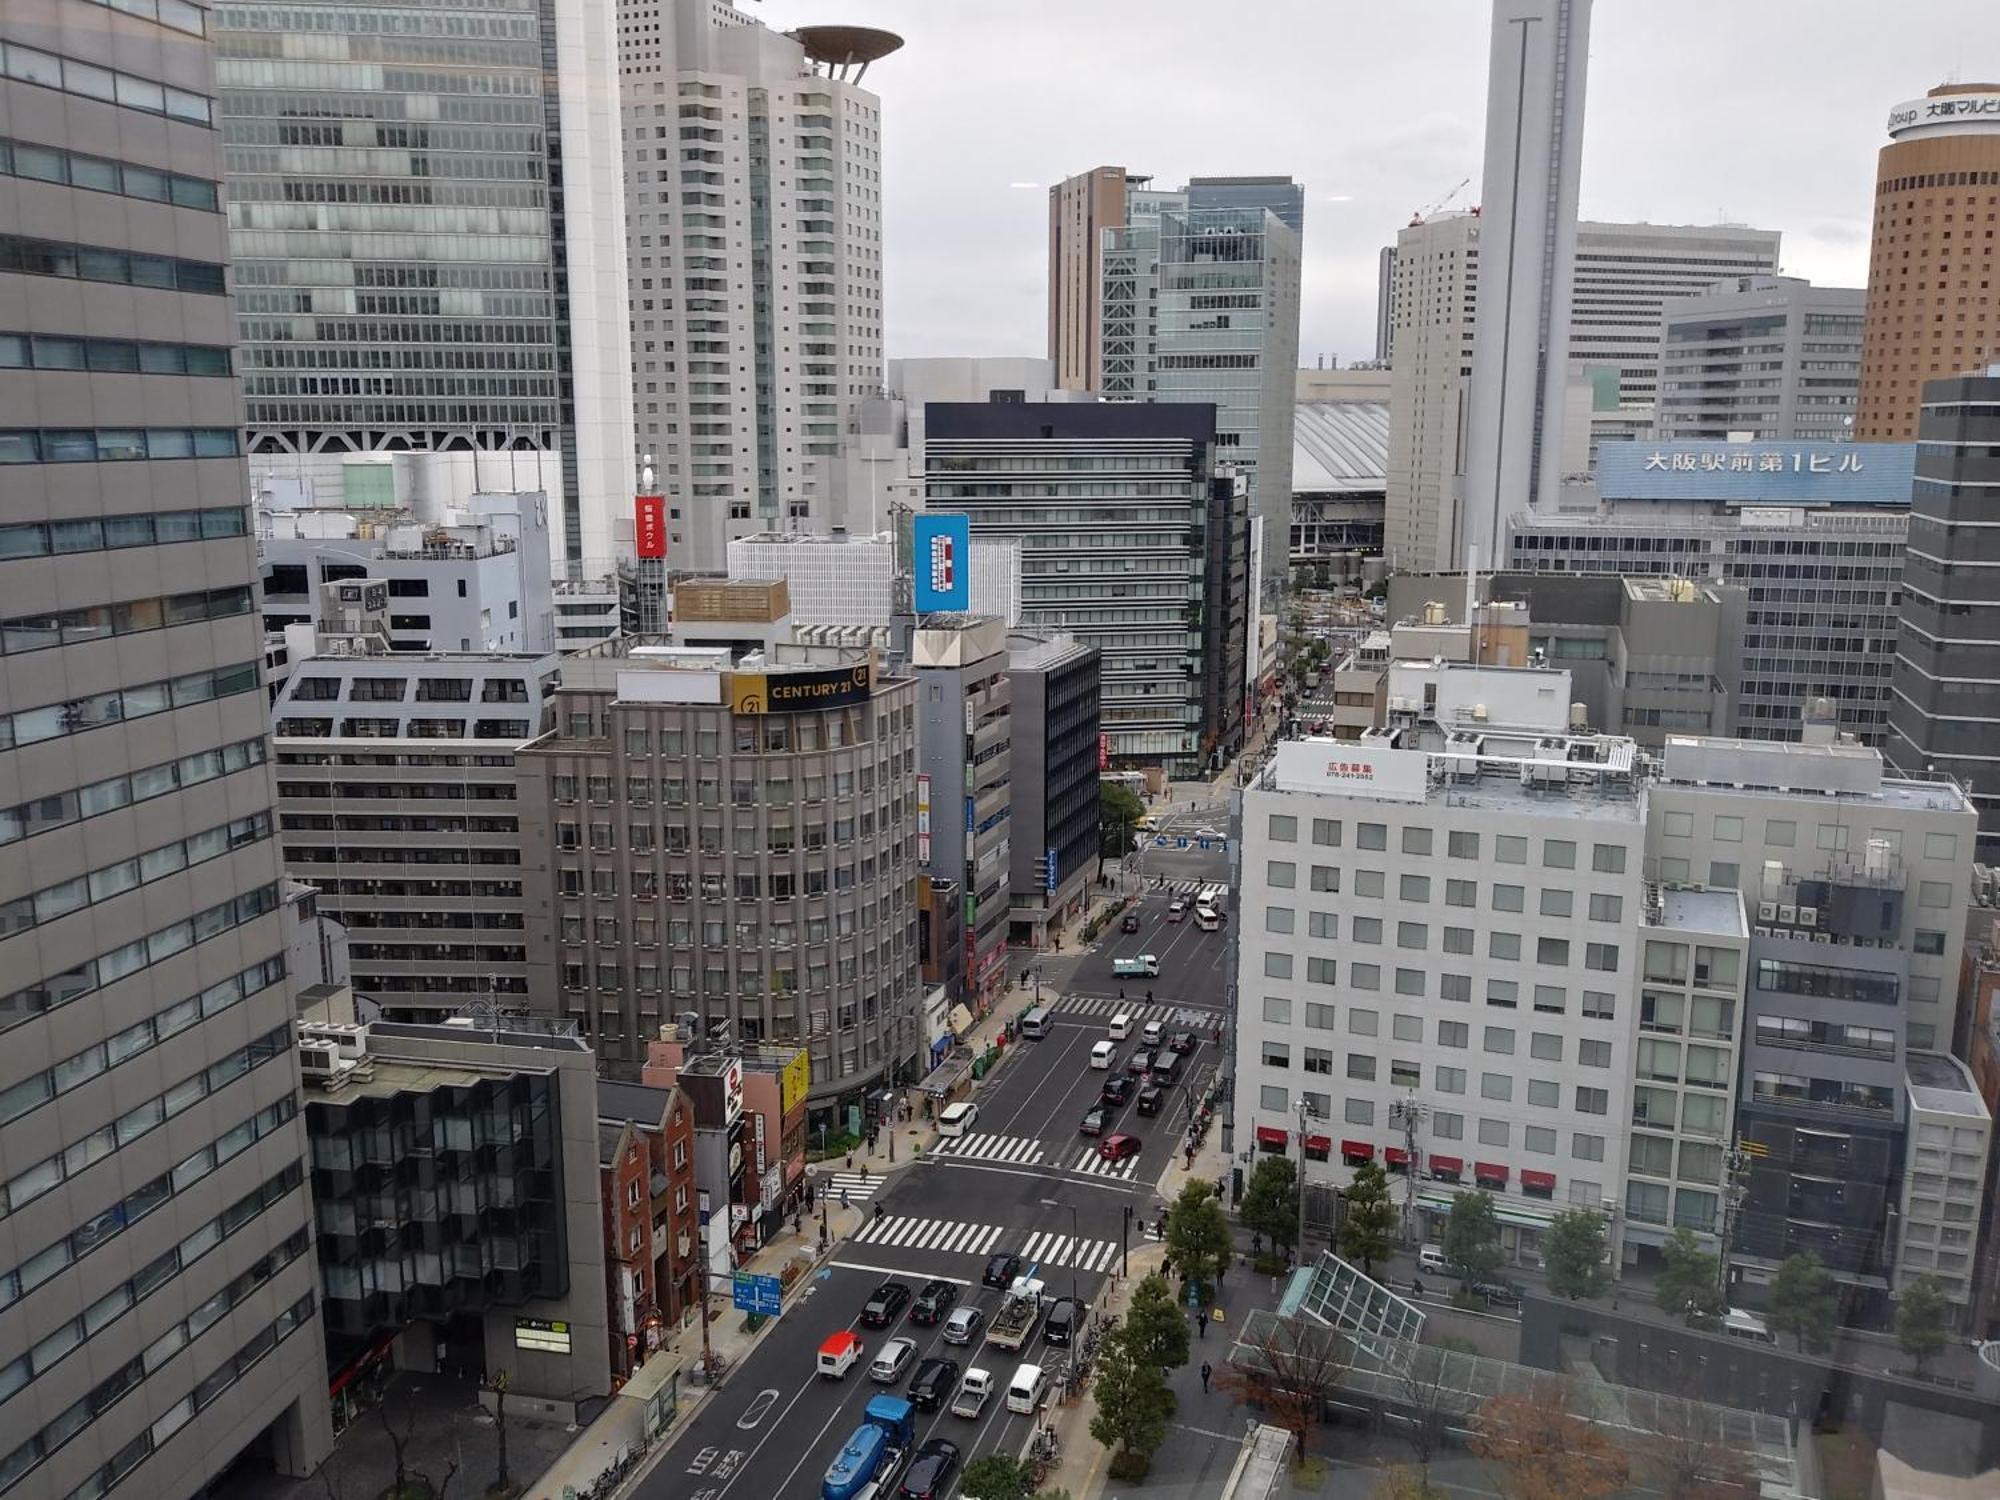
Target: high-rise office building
{"x":753,"y":181}
{"x":1281,"y":195}
{"x":1946,"y":688}
{"x":1537,"y":65}
{"x":1933,"y":259}
{"x":1081,"y":208}
{"x":1385,"y":303}
{"x":149,"y":1082}
{"x":427,"y":225}
{"x":1765,"y":357}
{"x":1624,"y":276}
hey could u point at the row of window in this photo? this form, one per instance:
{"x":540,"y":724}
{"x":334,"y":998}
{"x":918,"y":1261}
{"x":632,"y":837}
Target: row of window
{"x":395,"y":729}
{"x":149,"y":1279}
{"x":43,"y":351}
{"x":745,"y":791}
{"x":96,"y":622}
{"x":93,"y":974}
{"x":1443,"y":1125}
{"x":1782,"y":833}
{"x":1506,"y":849}
{"x":103,"y":175}
{"x":83,"y":445}
{"x":153,"y":529}
{"x":127,"y":90}
{"x":59,"y":809}
{"x":31,"y":726}
{"x":1543,"y":1046}
{"x":107,"y":881}
{"x":1551,"y":901}
{"x":391,"y":689}
{"x":1598,"y":1005}
{"x":1550,"y":953}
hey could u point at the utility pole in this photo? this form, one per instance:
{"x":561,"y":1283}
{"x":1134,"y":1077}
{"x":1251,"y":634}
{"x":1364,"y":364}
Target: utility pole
{"x":1409,"y":1112}
{"x":1736,"y":1187}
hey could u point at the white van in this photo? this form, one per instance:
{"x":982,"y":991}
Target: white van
{"x":1121,"y":1026}
{"x":1747,"y":1326}
{"x":1153,"y":1034}
{"x":1035,"y":1024}
{"x":1026,"y":1390}
{"x":1102,"y":1054}
{"x":957,"y":1118}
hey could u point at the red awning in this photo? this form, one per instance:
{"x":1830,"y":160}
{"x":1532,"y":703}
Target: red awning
{"x":1538,"y":1179}
{"x":1491,"y":1169}
{"x":1446,"y":1163}
{"x":1396,"y":1156}
{"x":1319,"y":1143}
{"x":1357,"y":1148}
{"x":1270,"y":1135}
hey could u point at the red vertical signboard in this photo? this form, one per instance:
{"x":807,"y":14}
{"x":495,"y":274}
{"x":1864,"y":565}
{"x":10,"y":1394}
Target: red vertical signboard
{"x":650,"y":513}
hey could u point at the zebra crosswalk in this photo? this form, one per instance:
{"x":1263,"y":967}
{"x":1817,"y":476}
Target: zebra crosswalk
{"x":1015,"y":1150}
{"x":1046,"y":1249}
{"x":848,"y":1187}
{"x":1199,"y":1021}
{"x":1090,"y":1164}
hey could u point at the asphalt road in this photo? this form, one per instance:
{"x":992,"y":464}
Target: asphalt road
{"x":1022,"y":1180}
{"x":1196,"y":967}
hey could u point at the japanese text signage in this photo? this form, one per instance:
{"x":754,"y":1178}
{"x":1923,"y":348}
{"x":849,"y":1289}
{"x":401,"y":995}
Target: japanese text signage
{"x":1919,"y":116}
{"x":1712,"y":462}
{"x":1737,"y":474}
{"x":942,"y":572}
{"x":649,"y":513}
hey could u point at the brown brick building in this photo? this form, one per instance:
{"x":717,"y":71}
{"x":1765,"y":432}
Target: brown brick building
{"x":1933,"y":310}
{"x":645,"y":1154}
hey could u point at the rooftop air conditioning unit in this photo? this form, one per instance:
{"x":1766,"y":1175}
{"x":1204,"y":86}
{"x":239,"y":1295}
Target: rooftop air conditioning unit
{"x":1760,"y":932}
{"x":1789,"y":915}
{"x":1808,"y":916}
{"x":1767,"y":911}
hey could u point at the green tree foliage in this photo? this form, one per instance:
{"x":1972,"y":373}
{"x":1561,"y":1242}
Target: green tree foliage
{"x":1921,"y":1314}
{"x":1198,"y":1234}
{"x":1270,"y":1204}
{"x":1368,"y":1227}
{"x":1573,"y":1249}
{"x":994,"y":1477}
{"x":1119,"y":811}
{"x":1803,"y":1302}
{"x":1134,"y":1404}
{"x":1686,"y":1285}
{"x":1155,"y":1329}
{"x":1472,"y":1236}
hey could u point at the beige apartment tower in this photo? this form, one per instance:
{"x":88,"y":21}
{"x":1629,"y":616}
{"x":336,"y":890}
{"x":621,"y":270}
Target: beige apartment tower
{"x":1931,"y":308}
{"x":1081,"y":208}
{"x":159,"y":1289}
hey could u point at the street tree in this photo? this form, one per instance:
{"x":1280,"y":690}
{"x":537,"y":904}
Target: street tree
{"x":1573,"y":1249}
{"x":1686,"y":1285}
{"x":1368,"y":1225}
{"x":1291,"y":1367}
{"x":994,"y":1477}
{"x":1686,"y":1457}
{"x":1406,"y":1482}
{"x":1803,"y":1301}
{"x":1198,"y":1235}
{"x":1920,"y":1319}
{"x":1429,"y":1401}
{"x":1155,"y":1329}
{"x":1542,"y":1449}
{"x":1119,"y":811}
{"x":1270,"y":1204}
{"x":1134,"y":1406}
{"x":503,"y":1482}
{"x":1472,"y":1236}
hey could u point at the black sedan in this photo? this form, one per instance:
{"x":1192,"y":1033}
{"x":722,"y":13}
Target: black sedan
{"x":1001,"y":1269}
{"x":1182,"y":1042}
{"x":933,"y":1302}
{"x":1117,"y":1088}
{"x":932,"y":1385}
{"x":884,"y":1304}
{"x":930,"y":1472}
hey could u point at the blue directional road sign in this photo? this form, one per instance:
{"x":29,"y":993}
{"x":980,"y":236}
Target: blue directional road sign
{"x":756,"y":1294}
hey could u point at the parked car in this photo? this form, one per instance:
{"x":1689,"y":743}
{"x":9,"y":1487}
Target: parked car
{"x":963,"y":1326}
{"x":1001,"y":1268}
{"x":1117,"y":1089}
{"x":933,"y":1302}
{"x":894,"y":1360}
{"x":884,"y":1304}
{"x":1498,"y":1293}
{"x":1182,"y":1042}
{"x":1177,"y":909}
{"x":930,"y":1473}
{"x":1093,"y":1120}
{"x":934,"y":1382}
{"x":1129,"y":922}
{"x":1115,"y":1148}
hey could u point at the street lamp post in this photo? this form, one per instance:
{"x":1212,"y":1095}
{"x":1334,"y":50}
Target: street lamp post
{"x":1074,"y":1237}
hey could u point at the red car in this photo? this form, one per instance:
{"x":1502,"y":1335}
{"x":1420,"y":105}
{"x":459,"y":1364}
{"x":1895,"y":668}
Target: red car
{"x":1118,"y":1147}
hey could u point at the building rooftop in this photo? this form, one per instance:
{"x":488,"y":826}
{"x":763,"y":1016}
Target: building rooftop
{"x":1785,"y":769}
{"x":1687,"y":909}
{"x":1340,"y":447}
{"x":1027,"y":652}
{"x":640,"y":1102}
{"x":1584,"y":777}
{"x":1942,"y":1085}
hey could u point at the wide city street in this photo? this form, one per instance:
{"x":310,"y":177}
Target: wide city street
{"x":1024,"y":1180}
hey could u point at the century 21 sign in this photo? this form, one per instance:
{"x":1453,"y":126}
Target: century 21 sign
{"x":796,"y":692}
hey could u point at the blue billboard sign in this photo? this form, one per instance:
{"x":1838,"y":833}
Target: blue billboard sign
{"x":1801,"y":473}
{"x":942,"y":562}
{"x":756,"y":1294}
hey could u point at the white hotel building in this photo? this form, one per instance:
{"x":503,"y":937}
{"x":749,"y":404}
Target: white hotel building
{"x":1447,"y":914}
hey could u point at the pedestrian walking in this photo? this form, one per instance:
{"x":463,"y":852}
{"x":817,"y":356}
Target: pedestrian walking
{"x":1206,"y":1370}
{"x":1202,"y":1318}
{"x":843,"y":1197}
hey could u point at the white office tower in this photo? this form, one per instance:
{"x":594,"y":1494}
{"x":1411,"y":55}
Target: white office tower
{"x":753,"y":179}
{"x":1527,"y":254}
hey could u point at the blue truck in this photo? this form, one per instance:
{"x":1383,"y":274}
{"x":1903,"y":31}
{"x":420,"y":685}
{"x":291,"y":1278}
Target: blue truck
{"x":875,"y":1454}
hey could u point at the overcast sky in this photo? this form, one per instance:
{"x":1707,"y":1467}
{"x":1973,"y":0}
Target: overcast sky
{"x":1699,"y":111}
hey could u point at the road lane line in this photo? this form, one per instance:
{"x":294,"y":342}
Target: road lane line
{"x":853,"y":1265}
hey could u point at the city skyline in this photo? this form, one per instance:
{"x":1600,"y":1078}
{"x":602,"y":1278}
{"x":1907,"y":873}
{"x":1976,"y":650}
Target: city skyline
{"x":982,"y":210}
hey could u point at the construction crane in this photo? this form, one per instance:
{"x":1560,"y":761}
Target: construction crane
{"x":1441,"y":205}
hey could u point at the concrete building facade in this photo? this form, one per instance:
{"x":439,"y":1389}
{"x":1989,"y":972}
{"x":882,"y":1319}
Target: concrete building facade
{"x":1944,"y":714}
{"x":733,"y":838}
{"x":1931,"y":260}
{"x":422,"y":271}
{"x":1055,"y":681}
{"x":753,"y":172}
{"x":159,"y":1295}
{"x":1773,"y":358}
{"x":1081,"y":209}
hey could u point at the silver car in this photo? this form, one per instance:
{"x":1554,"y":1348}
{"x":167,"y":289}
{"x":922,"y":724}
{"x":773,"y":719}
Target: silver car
{"x":894,"y":1359}
{"x":963,"y":1326}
